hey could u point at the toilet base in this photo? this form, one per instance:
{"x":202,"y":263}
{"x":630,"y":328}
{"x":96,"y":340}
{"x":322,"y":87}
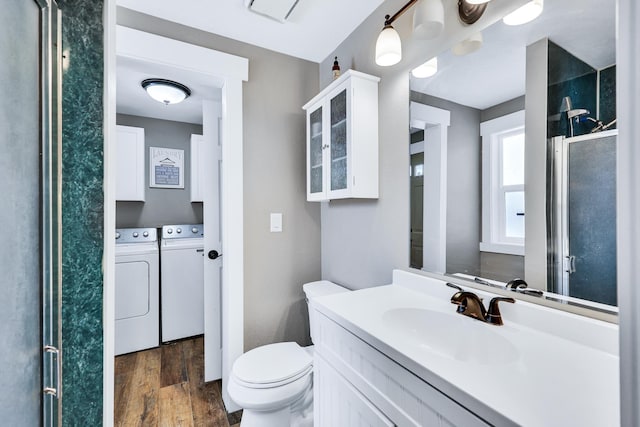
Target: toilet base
{"x":297,"y":414}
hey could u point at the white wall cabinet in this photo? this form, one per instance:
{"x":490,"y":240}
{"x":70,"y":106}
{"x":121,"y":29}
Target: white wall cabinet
{"x":130,"y":164}
{"x":342,"y":139}
{"x":355,"y":384}
{"x":197,"y":157}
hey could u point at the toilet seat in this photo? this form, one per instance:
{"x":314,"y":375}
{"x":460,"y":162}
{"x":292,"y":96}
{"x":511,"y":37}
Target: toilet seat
{"x":272,"y":398}
{"x":272,"y":365}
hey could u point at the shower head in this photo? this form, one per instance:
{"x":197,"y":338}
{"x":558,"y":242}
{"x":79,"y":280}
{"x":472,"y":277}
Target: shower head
{"x":566,"y":105}
{"x":577,"y":112}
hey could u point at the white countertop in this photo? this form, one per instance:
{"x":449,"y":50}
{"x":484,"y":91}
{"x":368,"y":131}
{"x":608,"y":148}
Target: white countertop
{"x":529,"y":377}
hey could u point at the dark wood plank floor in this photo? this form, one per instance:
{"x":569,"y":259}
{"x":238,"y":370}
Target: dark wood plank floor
{"x":164,"y":387}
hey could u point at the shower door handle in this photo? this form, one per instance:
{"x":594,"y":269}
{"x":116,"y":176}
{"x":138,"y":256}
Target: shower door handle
{"x":571,"y":264}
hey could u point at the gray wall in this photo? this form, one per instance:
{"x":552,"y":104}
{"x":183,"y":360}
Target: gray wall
{"x":162,"y":205}
{"x":464,"y":184}
{"x":20,"y":323}
{"x":362,"y":241}
{"x":276,"y":264}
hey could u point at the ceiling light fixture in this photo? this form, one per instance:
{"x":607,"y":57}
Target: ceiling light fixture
{"x":427,"y":69}
{"x":166,"y":91}
{"x":468,"y":45}
{"x":428,"y":23}
{"x":524,"y":14}
{"x":428,"y":19}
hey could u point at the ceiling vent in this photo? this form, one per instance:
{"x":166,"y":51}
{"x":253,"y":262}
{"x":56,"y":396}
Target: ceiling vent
{"x":274,"y":9}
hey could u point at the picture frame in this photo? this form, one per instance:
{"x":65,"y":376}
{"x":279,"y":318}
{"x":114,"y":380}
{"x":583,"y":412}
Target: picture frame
{"x":166,"y":167}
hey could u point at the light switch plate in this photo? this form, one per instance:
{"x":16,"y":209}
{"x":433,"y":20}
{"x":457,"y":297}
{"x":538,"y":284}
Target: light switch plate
{"x":276,"y":222}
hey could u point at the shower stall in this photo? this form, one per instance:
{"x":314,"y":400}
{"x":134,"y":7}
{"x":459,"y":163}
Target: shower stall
{"x":583,"y":216}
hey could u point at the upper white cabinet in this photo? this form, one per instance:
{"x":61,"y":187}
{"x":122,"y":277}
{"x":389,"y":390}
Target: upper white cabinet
{"x":130,"y":164}
{"x":342,"y":139}
{"x":197,"y":156}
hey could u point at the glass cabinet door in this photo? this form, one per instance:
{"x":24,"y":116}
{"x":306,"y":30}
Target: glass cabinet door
{"x":338,"y":108}
{"x":315,"y":151}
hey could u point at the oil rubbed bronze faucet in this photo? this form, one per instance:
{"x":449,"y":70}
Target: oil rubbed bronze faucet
{"x":470,"y":304}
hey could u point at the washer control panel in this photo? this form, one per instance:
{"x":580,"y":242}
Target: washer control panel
{"x":183,"y":231}
{"x":136,"y":235}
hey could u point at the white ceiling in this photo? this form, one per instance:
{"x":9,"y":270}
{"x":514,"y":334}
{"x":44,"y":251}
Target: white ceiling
{"x":314,"y":28}
{"x":132,"y":99}
{"x":496,"y":72}
{"x":312,"y":32}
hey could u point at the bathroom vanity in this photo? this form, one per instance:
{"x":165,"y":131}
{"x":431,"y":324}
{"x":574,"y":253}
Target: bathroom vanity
{"x":401,"y":355}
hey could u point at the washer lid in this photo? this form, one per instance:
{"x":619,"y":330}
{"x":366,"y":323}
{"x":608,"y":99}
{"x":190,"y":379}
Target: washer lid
{"x":272,"y":363}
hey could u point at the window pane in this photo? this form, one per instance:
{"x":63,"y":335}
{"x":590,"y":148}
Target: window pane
{"x":514,"y":214}
{"x":513,"y":159}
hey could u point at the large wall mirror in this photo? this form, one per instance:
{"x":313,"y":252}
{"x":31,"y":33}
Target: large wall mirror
{"x":513,"y":157}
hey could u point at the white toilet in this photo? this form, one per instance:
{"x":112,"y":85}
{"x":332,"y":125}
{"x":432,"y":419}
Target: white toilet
{"x":274,"y":383}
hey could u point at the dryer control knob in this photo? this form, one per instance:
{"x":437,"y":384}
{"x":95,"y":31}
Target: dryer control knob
{"x":169,"y":231}
{"x":145,"y":234}
{"x":135,"y":234}
{"x":178,"y":230}
{"x":117,"y":235}
{"x":194,"y":230}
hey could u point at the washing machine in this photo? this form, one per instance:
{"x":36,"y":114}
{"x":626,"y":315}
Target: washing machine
{"x":182,"y":281}
{"x":137,"y":293}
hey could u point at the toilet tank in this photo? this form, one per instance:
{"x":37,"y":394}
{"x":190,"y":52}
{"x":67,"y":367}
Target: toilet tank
{"x":318,"y":289}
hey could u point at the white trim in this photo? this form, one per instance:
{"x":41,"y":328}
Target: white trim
{"x":492,"y":221}
{"x":109,"y":257}
{"x":502,"y":248}
{"x":228,"y":72}
{"x":628,"y":198}
{"x":435,"y":123}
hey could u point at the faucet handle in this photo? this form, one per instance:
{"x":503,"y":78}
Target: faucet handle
{"x":516,"y":283}
{"x":493,"y":314}
{"x":454,"y":286}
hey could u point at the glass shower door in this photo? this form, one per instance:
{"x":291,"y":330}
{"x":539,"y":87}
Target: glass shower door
{"x":588,"y":254}
{"x":30,"y":255}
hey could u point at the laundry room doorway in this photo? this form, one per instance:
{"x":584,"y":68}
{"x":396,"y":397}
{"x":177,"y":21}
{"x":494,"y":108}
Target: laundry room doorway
{"x":220,"y":189}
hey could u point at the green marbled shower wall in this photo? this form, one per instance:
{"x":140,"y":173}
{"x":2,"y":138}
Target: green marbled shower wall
{"x":82,"y":212}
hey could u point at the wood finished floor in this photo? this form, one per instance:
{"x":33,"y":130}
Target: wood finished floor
{"x":164,"y":387}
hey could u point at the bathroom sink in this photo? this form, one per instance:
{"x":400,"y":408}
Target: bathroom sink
{"x":451,"y":335}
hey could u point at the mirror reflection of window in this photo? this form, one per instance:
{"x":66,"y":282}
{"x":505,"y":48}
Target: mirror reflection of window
{"x":503,"y":184}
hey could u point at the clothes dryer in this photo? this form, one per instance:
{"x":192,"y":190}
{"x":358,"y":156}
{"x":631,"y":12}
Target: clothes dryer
{"x":137,"y":295}
{"x":182,"y":281}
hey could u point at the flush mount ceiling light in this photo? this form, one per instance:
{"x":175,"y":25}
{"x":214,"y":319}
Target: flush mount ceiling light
{"x":524,"y":14}
{"x":427,"y":69}
{"x":428,"y":23}
{"x":166,"y":91}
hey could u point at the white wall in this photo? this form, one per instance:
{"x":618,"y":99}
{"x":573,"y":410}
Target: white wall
{"x":362,"y":241}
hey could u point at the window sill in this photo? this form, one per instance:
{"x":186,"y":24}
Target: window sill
{"x":502,"y":248}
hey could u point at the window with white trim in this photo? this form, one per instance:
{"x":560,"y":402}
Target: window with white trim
{"x":503,"y":184}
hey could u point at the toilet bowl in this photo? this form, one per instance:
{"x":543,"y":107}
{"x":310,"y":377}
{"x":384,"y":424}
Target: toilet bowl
{"x":274,"y":383}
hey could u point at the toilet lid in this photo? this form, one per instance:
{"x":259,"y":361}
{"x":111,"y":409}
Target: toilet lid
{"x":273,"y":363}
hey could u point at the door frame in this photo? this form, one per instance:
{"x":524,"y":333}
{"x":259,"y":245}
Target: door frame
{"x":228,"y":71}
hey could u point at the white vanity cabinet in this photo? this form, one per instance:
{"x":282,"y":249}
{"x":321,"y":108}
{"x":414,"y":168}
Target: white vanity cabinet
{"x":130,"y":164}
{"x":356,"y":385}
{"x":342,"y":139}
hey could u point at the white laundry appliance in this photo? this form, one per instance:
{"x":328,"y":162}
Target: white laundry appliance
{"x":137,"y":293}
{"x":182,"y":281}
